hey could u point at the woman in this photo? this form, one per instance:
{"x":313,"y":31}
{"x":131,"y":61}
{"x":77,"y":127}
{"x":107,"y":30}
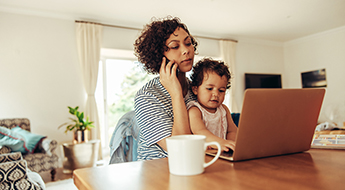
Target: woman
{"x":165,"y":47}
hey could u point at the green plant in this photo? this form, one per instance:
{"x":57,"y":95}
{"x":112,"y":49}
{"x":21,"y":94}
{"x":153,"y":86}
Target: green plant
{"x":78,"y":123}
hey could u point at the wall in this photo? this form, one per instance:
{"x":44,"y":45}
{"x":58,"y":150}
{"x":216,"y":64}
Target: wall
{"x":256,"y":56}
{"x":39,"y":72}
{"x":118,"y":38}
{"x":323,"y":50}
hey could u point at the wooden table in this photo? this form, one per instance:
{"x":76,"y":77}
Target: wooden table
{"x":314,"y":169}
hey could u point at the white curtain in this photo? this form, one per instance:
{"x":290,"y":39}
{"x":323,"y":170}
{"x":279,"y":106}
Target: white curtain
{"x":228,"y":54}
{"x":89,"y":38}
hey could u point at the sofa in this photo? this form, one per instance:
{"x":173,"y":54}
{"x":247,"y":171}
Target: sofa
{"x":14,"y":174}
{"x":38,"y":151}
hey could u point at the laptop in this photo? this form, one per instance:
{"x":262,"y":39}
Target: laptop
{"x":275,"y":122}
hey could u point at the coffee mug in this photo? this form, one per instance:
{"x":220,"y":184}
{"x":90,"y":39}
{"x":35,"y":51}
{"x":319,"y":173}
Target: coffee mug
{"x":186,"y":154}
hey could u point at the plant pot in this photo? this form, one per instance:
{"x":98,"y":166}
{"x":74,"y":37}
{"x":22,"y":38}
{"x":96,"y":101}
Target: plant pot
{"x":81,"y":136}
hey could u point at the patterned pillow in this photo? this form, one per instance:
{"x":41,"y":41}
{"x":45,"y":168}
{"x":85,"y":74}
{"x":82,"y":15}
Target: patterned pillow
{"x":13,"y":176}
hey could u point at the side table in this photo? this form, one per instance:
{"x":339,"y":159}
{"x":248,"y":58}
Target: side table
{"x":80,"y":155}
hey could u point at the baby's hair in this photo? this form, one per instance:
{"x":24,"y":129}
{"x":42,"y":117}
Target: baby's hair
{"x":149,"y":47}
{"x":207,"y":65}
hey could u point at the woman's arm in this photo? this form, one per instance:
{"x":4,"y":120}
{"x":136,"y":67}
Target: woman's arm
{"x":171,"y":83}
{"x":198,"y":127}
{"x":180,"y":125}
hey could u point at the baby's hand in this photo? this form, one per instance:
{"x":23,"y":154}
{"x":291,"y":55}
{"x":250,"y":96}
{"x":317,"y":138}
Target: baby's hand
{"x":226,"y":145}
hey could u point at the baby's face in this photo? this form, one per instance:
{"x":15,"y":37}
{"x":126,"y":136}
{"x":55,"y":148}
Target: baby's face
{"x":211,"y":92}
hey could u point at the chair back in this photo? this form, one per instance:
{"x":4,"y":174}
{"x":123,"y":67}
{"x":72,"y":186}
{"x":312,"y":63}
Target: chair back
{"x":23,"y":123}
{"x":124,"y":141}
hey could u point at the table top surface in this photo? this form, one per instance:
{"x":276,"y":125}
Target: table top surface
{"x":313,"y":169}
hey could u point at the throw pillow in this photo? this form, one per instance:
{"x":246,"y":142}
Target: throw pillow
{"x":11,"y":139}
{"x":31,"y":140}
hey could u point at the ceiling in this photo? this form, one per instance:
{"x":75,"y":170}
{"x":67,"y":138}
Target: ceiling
{"x":274,"y":20}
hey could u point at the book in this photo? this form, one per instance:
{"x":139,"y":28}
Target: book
{"x":328,"y":141}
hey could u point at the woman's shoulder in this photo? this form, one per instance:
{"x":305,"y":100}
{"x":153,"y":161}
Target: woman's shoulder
{"x":153,"y":89}
{"x":152,"y":85}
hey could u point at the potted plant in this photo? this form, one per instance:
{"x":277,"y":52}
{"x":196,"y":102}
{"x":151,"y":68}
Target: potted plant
{"x":80,"y":125}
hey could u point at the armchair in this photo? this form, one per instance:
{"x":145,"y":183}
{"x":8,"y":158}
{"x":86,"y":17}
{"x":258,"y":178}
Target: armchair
{"x":43,"y":158}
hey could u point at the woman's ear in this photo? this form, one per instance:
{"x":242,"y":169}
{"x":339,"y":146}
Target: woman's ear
{"x":195,"y":90}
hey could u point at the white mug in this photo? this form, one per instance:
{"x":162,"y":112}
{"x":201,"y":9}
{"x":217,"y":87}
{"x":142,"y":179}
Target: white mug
{"x":186,"y":154}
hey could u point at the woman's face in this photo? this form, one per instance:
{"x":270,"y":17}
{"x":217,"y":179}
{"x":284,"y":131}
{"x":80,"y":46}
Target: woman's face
{"x":180,"y":49}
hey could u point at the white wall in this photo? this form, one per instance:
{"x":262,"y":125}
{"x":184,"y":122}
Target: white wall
{"x":323,"y":50}
{"x":118,"y":38}
{"x":256,"y":56}
{"x":39,"y":72}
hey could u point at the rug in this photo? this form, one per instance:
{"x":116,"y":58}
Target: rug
{"x":61,"y":185}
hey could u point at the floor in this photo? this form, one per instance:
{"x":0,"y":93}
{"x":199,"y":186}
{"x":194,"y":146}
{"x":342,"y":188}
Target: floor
{"x":46,"y":176}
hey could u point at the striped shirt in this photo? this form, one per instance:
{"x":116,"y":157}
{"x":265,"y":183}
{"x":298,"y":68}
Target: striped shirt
{"x":154,"y":113}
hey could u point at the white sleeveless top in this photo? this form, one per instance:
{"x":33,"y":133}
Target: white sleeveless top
{"x":216,"y":122}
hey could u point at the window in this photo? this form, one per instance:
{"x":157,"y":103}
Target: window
{"x":119,"y":78}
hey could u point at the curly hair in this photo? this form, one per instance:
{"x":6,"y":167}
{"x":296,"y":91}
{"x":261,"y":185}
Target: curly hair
{"x":208,"y":65}
{"x":149,"y":47}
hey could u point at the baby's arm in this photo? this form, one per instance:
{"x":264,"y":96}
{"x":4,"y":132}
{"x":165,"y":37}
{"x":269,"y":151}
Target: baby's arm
{"x":198,"y":127}
{"x":232,"y":129}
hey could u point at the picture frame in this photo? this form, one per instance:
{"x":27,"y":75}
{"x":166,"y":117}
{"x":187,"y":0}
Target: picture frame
{"x":314,"y":79}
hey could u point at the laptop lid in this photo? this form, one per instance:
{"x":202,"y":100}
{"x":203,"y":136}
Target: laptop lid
{"x":276,"y":122}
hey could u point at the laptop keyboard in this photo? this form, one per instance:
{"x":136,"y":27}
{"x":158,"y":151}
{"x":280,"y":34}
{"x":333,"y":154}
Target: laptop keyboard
{"x":228,"y":153}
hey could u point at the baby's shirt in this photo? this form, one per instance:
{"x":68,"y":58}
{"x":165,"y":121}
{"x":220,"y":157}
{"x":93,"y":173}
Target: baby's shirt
{"x":216,"y":122}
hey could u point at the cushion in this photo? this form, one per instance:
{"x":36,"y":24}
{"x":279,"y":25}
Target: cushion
{"x":10,"y":157}
{"x":13,"y":171}
{"x":12,"y":140}
{"x":31,"y":140}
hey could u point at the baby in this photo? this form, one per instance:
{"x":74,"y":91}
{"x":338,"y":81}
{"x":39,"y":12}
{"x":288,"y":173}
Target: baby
{"x":208,"y":115}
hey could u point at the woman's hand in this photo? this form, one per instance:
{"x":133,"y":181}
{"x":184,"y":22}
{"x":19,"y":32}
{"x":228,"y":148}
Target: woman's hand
{"x":168,"y":77}
{"x":171,"y":83}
